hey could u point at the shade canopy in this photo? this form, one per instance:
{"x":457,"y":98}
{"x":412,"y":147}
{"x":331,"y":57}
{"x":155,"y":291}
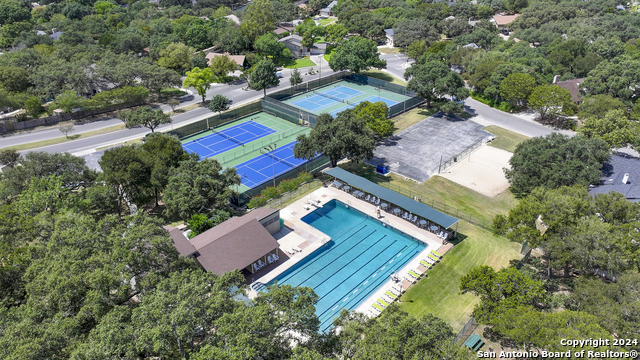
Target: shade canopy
{"x":388,"y":195}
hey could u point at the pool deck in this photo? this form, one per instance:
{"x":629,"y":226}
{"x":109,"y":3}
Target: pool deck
{"x":305,"y":239}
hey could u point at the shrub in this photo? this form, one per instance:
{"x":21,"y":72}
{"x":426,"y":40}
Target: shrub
{"x":172,"y":92}
{"x":33,"y":107}
{"x":284,"y":186}
{"x":500,"y":105}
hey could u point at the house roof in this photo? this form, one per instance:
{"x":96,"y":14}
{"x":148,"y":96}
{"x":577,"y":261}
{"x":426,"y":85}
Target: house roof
{"x":292,"y":39}
{"x":389,"y":32}
{"x":280,"y":30}
{"x":330,"y":6}
{"x":573,"y":86}
{"x":471,"y":45}
{"x":56,"y":35}
{"x":502,"y":20}
{"x":238,"y":59}
{"x":181,"y":243}
{"x":233,"y":18}
{"x":393,"y":197}
{"x":235,"y":244}
{"x":613,"y":173}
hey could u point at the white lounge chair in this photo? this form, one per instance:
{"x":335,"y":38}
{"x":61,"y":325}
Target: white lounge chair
{"x":261,"y":263}
{"x":367,"y":198}
{"x":378,"y":201}
{"x":256,"y":267}
{"x":275,"y":257}
{"x":269,"y":259}
{"x":373,"y":200}
{"x":415,"y":218}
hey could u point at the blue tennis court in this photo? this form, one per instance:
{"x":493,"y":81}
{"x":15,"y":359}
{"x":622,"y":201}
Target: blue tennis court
{"x":326,"y":98}
{"x":227,"y":139}
{"x":372,"y":99}
{"x":261,"y":169}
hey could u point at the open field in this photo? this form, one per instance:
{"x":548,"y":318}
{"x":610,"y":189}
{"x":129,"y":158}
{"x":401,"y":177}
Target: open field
{"x":439,"y":292}
{"x":505,"y":139}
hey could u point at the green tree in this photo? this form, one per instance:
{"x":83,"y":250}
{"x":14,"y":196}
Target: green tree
{"x":219,"y":103}
{"x":200,"y":80}
{"x":33,"y":107}
{"x":598,"y":106}
{"x":165,"y":152}
{"x":128,"y":171}
{"x":499,"y":291}
{"x":66,"y":130}
{"x":263,"y":76}
{"x":345,"y":136}
{"x":146,"y":117}
{"x":199,"y":223}
{"x":12,"y":12}
{"x":296,"y":78}
{"x":375,"y":116}
{"x":416,"y":49}
{"x":356,"y":54}
{"x":197,"y":184}
{"x":173,"y":103}
{"x":534,"y":329}
{"x":550,"y":101}
{"x":9,"y":157}
{"x":556,"y":160}
{"x":336,"y":33}
{"x":221,"y":65}
{"x":258,"y":20}
{"x":619,"y":78}
{"x":176,"y":56}
{"x":14,"y":78}
{"x":615,"y":129}
{"x":516,"y":88}
{"x":268,"y":45}
{"x":68,"y":100}
{"x":155,"y":78}
{"x":102,"y":7}
{"x":435,"y":80}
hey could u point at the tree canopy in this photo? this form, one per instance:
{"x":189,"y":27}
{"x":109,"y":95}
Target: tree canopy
{"x":356,"y":54}
{"x":556,"y":160}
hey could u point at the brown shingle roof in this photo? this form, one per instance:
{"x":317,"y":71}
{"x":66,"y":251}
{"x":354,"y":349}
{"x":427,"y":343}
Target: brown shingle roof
{"x":502,"y":20}
{"x":239,"y":59}
{"x":573,"y":86}
{"x":181,"y":243}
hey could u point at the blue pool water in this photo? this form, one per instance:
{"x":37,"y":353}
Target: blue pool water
{"x":359,"y":258}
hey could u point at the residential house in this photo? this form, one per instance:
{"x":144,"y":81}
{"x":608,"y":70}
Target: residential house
{"x":572,"y":85}
{"x":389,"y":34}
{"x":328,"y":11}
{"x":502,"y":21}
{"x":233,"y":18}
{"x":621,"y":174}
{"x":55,"y":34}
{"x":294,"y":44}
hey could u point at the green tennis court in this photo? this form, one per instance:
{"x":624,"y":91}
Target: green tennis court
{"x":342,"y":95}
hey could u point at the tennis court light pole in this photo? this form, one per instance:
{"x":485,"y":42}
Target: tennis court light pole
{"x":267,"y":149}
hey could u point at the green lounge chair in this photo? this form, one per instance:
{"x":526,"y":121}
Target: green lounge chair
{"x":391,"y":295}
{"x":382,"y":302}
{"x":414,"y":274}
{"x":436,"y":253}
{"x":377,"y":306}
{"x":432,"y":257}
{"x":426,"y":264}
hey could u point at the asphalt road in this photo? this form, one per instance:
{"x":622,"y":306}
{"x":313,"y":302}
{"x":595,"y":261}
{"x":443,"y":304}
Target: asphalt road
{"x":396,"y":65}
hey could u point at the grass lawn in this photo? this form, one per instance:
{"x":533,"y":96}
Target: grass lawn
{"x":298,"y":63}
{"x":439,"y":293}
{"x":505,"y":139}
{"x":327,"y":54}
{"x":379,"y":74}
{"x":327,"y":21}
{"x":418,"y":114}
{"x":442,"y":194}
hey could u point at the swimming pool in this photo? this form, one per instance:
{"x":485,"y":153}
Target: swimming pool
{"x":359,"y":258}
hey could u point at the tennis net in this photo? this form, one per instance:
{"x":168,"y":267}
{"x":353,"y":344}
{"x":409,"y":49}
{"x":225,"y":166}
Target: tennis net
{"x":227,"y":137}
{"x":280,"y":160}
{"x":328,"y":96}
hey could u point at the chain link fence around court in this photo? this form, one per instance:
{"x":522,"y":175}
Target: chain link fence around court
{"x":312,"y":166}
{"x":457,"y":158}
{"x":466,"y":331}
{"x":253,"y":146}
{"x":288,"y":112}
{"x":216,"y":120}
{"x":278,"y":201}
